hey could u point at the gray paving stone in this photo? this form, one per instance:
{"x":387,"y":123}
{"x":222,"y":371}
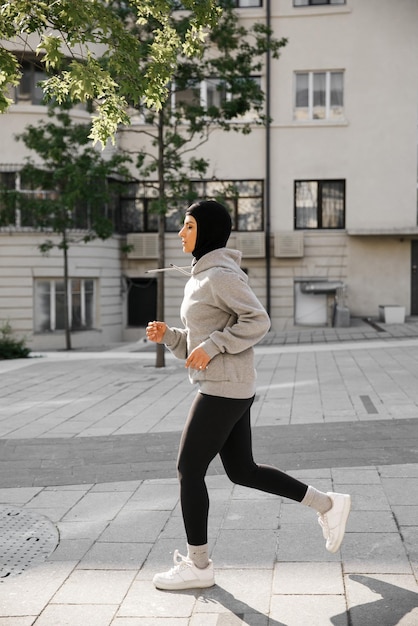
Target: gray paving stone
{"x":245,"y":549}
{"x":30,"y":592}
{"x":357,"y":476}
{"x":160,"y":558}
{"x":410,"y":538}
{"x":18,"y":495}
{"x":115,"y":556}
{"x":242,"y":514}
{"x":129,"y":485}
{"x":399,"y":490}
{"x":367,"y":497}
{"x":315,"y":610}
{"x":71,"y":549}
{"x":301,"y":543}
{"x":151,"y":621}
{"x":18,"y":621}
{"x":143,"y":600}
{"x":136,"y":525}
{"x":308,"y":579}
{"x":97,"y":506}
{"x":237,"y":592}
{"x":374,"y":553}
{"x":153,"y":495}
{"x":371,"y":521}
{"x":294,"y":514}
{"x":406,"y":515}
{"x":399,"y":471}
{"x":83,"y":529}
{"x":71,"y":615}
{"x":94,"y":587}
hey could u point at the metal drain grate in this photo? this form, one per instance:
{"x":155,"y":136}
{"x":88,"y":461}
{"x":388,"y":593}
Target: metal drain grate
{"x":26,"y":539}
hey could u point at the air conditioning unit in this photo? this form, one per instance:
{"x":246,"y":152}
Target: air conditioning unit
{"x":288,"y":244}
{"x":251,"y":244}
{"x":144,"y":245}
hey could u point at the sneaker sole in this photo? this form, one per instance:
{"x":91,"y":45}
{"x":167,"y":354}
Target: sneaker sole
{"x":345,"y":514}
{"x":192,"y":584}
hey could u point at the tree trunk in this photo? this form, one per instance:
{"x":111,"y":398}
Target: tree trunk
{"x":66,"y":294}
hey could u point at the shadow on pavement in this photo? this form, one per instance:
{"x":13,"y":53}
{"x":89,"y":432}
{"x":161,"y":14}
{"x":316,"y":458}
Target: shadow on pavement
{"x":388,"y":610}
{"x":394,"y":604}
{"x":245,"y":614}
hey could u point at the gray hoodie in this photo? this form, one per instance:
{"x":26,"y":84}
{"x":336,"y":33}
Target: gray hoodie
{"x":222,"y":315}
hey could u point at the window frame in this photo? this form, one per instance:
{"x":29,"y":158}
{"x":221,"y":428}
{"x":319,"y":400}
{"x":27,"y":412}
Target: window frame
{"x":199,"y":91}
{"x":28,"y":91}
{"x":317,"y":3}
{"x":51,"y":317}
{"x":319,"y":208}
{"x":198,"y":190}
{"x":239,"y":5}
{"x":328,"y":108}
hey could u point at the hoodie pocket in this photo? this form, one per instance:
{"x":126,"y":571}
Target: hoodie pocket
{"x":236,"y":368}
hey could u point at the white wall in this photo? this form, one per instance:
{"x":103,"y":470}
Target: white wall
{"x":375,"y":147}
{"x":379,"y":274}
{"x":21,"y":263}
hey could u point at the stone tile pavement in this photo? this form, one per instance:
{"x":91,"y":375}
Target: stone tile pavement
{"x":88,"y":442}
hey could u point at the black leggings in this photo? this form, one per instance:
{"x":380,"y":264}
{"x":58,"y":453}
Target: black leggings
{"x":222,"y":425}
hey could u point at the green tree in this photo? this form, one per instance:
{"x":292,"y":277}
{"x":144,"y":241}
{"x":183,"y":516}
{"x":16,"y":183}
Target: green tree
{"x":68,"y":194}
{"x":90,"y":54}
{"x":229,"y":67}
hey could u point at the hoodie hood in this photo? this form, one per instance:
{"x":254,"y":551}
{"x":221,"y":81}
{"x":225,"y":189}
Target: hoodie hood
{"x":225,"y":258}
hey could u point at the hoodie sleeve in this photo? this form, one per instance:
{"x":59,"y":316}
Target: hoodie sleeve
{"x":176,"y":341}
{"x":249,"y":321}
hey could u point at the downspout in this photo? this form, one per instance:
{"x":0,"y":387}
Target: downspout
{"x":267,"y":211}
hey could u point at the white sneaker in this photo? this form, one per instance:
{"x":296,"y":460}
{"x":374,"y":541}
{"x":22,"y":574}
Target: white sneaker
{"x":333,"y":521}
{"x":185,"y":575}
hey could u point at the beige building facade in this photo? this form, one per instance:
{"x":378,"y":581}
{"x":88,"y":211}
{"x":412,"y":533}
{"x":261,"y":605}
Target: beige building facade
{"x":328,"y":190}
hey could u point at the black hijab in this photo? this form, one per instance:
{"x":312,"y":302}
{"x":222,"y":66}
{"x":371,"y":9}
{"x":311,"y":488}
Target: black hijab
{"x":213,"y":226}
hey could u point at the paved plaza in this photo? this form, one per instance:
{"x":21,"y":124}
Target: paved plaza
{"x":89,"y":506}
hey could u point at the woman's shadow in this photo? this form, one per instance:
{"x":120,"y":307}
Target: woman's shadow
{"x":388,"y":610}
{"x":245,"y":614}
{"x":394,"y":603}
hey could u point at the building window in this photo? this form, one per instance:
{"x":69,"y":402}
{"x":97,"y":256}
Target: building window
{"x":20,"y":203}
{"x":319,"y":204}
{"x":211,"y":92}
{"x":49,"y":304}
{"x":138,"y":205}
{"x":319,"y":96}
{"x":138,"y":210}
{"x":28,"y":90}
{"x":244,"y":199}
{"x":244,"y":4}
{"x":241,"y":4}
{"x":312,"y":3}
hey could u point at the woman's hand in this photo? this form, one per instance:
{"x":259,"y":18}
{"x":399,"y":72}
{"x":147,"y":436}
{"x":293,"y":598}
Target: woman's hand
{"x":198,"y":359}
{"x":155,"y":331}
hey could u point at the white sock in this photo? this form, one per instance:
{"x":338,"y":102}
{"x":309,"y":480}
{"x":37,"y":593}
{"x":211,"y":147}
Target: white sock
{"x":199,"y":555}
{"x":317,"y":500}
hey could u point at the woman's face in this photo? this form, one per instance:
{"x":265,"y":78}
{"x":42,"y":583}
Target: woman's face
{"x":188,"y":234}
